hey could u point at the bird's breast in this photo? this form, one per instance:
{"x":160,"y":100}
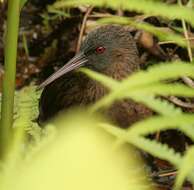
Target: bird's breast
{"x":93,"y":91}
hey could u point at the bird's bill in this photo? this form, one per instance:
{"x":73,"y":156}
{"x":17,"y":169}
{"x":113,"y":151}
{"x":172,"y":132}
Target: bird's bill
{"x":77,"y":61}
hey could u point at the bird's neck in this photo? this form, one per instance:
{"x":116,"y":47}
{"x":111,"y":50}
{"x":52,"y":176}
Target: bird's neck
{"x":94,"y":90}
{"x":122,"y":68}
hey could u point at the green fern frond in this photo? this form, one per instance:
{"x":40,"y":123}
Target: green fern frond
{"x":163,"y":35}
{"x":158,"y":123}
{"x":151,"y":146}
{"x":26,"y":107}
{"x":159,"y":72}
{"x":183,"y":122}
{"x":138,"y":87}
{"x":26,"y":111}
{"x":160,"y":89}
{"x":187,"y":130}
{"x":158,"y":105}
{"x":157,"y":149}
{"x":147,"y":7}
{"x":156,"y":73}
{"x":145,"y":91}
{"x":107,"y":81}
{"x":145,"y":83}
{"x":187,"y":165}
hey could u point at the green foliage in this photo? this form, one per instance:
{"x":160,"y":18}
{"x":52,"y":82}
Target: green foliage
{"x":8,"y":85}
{"x":153,"y":147}
{"x":185,"y":168}
{"x":76,"y":152}
{"x":79,"y":155}
{"x":22,"y":3}
{"x":158,"y":105}
{"x":169,"y":117}
{"x":162,"y":34}
{"x":142,"y":87}
{"x":146,"y":83}
{"x":26,"y":111}
{"x":150,"y":7}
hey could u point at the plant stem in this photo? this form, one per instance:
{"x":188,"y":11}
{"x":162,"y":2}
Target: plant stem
{"x":9,"y":75}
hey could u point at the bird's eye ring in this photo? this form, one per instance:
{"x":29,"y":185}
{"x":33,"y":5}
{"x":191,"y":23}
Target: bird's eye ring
{"x":100,"y":50}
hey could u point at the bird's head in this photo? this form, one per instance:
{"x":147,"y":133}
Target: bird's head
{"x":100,"y":50}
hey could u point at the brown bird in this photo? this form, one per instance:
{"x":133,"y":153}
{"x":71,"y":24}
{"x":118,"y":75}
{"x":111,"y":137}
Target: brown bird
{"x":109,"y":50}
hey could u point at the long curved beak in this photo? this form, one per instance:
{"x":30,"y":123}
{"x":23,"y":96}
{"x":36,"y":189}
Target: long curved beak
{"x":77,"y":61}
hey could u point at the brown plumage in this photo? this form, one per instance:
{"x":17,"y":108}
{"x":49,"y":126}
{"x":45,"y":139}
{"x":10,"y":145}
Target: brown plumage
{"x":109,"y":50}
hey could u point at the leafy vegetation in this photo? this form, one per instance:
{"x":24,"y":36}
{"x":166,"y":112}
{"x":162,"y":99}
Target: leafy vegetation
{"x":53,"y":155}
{"x":9,"y":77}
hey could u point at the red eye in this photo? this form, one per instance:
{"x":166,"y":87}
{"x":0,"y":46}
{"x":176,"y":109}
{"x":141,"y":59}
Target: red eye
{"x":100,"y":49}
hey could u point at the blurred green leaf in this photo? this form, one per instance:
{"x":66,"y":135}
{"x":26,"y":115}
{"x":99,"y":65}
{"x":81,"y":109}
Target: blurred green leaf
{"x":22,"y":3}
{"x":146,"y":6}
{"x":79,"y":156}
{"x":186,"y":167}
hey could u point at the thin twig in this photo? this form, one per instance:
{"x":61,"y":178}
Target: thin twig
{"x":120,"y":11}
{"x":173,"y":173}
{"x":188,"y":81}
{"x":180,"y":103}
{"x":165,"y":173}
{"x":100,"y":15}
{"x":157,"y":136}
{"x":89,"y":10}
{"x":186,"y":36}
